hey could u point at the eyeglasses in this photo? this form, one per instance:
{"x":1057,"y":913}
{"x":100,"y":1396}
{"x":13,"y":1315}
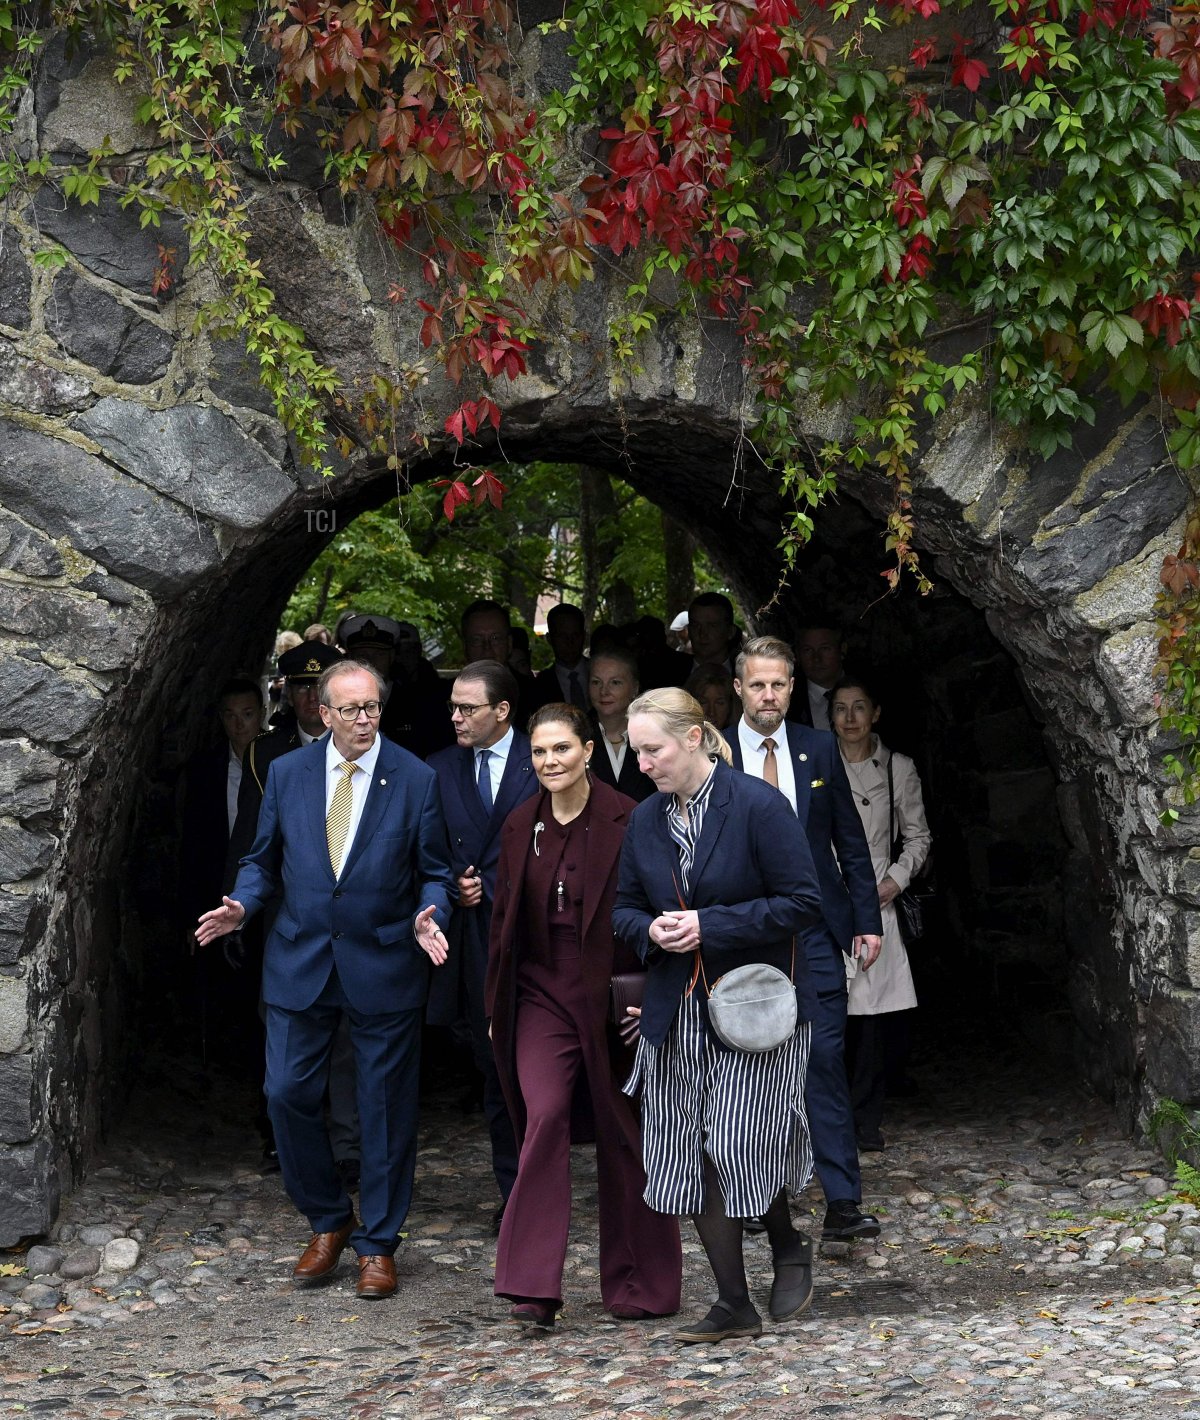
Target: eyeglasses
{"x":372,"y":709}
{"x":466,"y":711}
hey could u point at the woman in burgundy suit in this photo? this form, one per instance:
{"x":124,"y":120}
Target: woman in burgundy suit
{"x":552,"y":956}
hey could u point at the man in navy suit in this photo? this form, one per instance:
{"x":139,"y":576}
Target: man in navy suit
{"x":820,"y":650}
{"x":482,"y":779}
{"x":805,"y":765}
{"x":567,"y":679}
{"x":351,"y":834}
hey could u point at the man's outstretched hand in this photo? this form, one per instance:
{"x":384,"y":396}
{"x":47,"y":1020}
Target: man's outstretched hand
{"x":430,"y":937}
{"x":220,"y":921}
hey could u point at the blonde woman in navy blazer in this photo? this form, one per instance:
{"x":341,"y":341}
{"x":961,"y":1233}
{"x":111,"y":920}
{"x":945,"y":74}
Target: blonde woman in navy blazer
{"x":716,"y":874}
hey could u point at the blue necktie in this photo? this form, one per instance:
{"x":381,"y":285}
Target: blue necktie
{"x":483,"y":780}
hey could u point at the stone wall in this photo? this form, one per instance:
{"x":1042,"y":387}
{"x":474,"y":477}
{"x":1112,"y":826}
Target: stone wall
{"x":153,"y":521}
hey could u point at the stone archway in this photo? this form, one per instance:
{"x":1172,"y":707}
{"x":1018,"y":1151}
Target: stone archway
{"x":148,"y":494}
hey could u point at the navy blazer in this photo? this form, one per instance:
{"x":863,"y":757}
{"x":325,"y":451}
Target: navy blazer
{"x":474,"y":834}
{"x":361,"y":922}
{"x":753,"y":884}
{"x":474,"y":840}
{"x":825,"y":806}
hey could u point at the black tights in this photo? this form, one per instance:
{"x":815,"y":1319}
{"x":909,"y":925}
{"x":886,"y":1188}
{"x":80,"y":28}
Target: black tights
{"x":722,"y":1239}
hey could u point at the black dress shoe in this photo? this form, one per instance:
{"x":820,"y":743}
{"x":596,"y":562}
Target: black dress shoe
{"x":846,"y":1222}
{"x":750,"y":1226}
{"x":531,"y":1313}
{"x":792,"y":1289}
{"x":722,"y":1322}
{"x":497,"y":1219}
{"x":871,"y":1143}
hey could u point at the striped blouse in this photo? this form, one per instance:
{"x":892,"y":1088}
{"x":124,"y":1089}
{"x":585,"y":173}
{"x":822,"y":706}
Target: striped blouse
{"x":687,"y":835}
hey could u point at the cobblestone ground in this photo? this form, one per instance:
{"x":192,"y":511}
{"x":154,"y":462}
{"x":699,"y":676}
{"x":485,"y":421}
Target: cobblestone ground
{"x":1034,"y":1263}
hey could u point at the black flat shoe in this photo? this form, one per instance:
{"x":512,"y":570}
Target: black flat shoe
{"x":721,"y":1323}
{"x":792,"y":1289}
{"x":846,"y":1222}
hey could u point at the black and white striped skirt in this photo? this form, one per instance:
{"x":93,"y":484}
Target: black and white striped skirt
{"x":746,"y":1112}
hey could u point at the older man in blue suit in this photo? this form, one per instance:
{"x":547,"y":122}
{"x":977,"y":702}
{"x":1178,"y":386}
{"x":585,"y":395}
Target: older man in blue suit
{"x":351,"y":834}
{"x":805,"y":765}
{"x":482,"y":778}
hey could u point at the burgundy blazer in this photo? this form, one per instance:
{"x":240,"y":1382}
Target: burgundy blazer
{"x":603,"y":954}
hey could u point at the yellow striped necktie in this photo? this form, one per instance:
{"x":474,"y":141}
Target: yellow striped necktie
{"x":337,"y":820}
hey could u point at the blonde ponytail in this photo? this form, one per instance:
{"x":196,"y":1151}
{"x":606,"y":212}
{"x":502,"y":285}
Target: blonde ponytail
{"x":713,"y":742}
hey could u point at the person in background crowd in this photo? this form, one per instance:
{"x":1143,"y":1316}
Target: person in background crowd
{"x":371,"y":640}
{"x":804,"y":765}
{"x":482,"y":778}
{"x":553,"y":956}
{"x":226,"y":997}
{"x":566,"y":680}
{"x":318,"y":632}
{"x":519,"y":661}
{"x":612,"y":684}
{"x":677,"y":636}
{"x":487,"y":636}
{"x":711,"y":630}
{"x":658,"y":664}
{"x":351,"y":834}
{"x":213,"y":781}
{"x":285,"y":641}
{"x":820,"y":649}
{"x":605,"y":637}
{"x":887,"y":794}
{"x":716,"y":874}
{"x":712,"y":686}
{"x":416,"y":717}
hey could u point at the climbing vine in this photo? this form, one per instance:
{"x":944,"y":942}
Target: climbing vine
{"x":1006,"y":204}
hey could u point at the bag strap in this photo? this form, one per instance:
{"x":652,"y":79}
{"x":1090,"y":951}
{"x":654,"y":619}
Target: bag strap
{"x":698,"y":964}
{"x":897,"y":842}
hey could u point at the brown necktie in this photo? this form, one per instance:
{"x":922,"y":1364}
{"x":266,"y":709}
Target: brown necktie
{"x":770,"y":764}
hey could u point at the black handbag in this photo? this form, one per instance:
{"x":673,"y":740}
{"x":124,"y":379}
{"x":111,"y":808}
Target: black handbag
{"x":913,"y":904}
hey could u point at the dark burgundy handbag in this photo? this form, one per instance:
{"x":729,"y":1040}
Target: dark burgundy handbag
{"x":624,"y":990}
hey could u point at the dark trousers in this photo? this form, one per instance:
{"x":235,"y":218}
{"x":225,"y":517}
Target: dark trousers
{"x":640,"y":1254}
{"x":867,"y":1073}
{"x":387,"y":1051}
{"x":826,"y":1090}
{"x":876,"y":1055}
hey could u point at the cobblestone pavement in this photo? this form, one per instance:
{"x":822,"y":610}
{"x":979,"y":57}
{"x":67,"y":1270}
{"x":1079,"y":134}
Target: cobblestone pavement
{"x":1034,"y":1263}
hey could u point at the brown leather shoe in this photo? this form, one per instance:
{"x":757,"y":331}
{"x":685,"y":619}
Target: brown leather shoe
{"x":376,"y":1277}
{"x":320,"y":1257}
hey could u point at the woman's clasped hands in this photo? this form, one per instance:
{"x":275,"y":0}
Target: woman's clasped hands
{"x":676,"y":931}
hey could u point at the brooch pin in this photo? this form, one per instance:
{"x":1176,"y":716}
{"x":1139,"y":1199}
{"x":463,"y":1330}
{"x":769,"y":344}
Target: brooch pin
{"x":817,"y":784}
{"x":537,"y":828}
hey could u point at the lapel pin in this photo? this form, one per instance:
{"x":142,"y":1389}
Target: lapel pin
{"x":383,"y":781}
{"x":538,"y":827}
{"x":803,"y":757}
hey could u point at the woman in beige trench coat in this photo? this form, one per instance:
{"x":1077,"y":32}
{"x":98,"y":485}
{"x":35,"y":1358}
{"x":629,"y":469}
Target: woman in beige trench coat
{"x":878,"y":997}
